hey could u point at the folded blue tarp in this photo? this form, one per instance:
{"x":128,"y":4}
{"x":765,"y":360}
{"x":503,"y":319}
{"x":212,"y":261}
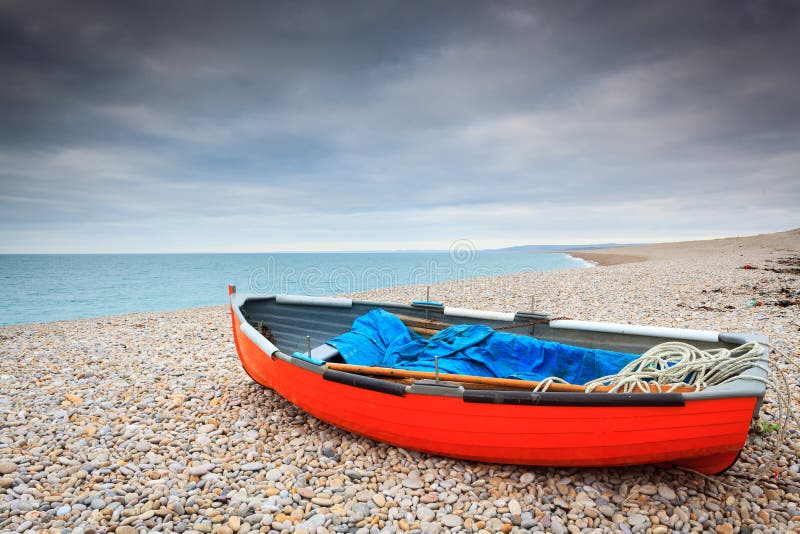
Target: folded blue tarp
{"x":379,"y":338}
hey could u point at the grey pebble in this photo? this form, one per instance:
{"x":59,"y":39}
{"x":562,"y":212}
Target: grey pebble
{"x":252,"y":466}
{"x":666,"y":492}
{"x":425,"y":514}
{"x":557,"y":525}
{"x":607,"y":510}
{"x":452,"y":521}
{"x":356,"y":475}
{"x":6,"y":468}
{"x":63,"y":509}
{"x":413,"y":483}
{"x":637,"y":519}
{"x":200,"y":470}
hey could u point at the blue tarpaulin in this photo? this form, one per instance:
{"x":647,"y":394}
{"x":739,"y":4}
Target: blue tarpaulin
{"x":379,"y":338}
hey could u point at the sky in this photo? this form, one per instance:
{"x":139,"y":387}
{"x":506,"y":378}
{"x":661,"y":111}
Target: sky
{"x":278,"y":126}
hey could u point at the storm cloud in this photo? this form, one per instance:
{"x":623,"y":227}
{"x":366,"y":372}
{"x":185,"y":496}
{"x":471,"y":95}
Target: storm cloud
{"x":210,"y":126}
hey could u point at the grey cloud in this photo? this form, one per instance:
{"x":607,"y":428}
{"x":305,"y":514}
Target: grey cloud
{"x":117,"y":113}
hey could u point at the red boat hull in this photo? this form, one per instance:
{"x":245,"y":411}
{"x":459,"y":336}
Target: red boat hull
{"x":705,"y":435}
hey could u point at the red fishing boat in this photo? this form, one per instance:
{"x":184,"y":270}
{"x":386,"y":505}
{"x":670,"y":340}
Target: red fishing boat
{"x":282,"y":342}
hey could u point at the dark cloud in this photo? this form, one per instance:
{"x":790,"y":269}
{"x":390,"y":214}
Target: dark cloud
{"x":208,"y":115}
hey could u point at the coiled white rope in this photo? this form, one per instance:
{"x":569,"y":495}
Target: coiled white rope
{"x":545,"y":384}
{"x":672,"y":365}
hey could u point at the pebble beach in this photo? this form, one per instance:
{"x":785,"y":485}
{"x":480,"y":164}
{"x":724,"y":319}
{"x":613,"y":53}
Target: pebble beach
{"x":147,"y":423}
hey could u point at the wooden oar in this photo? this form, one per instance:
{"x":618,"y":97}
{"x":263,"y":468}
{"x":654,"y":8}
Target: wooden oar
{"x":494,"y":383}
{"x":426,"y":332}
{"x":431,"y":327}
{"x":419,"y":322}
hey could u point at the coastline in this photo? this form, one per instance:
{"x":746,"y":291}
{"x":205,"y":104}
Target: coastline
{"x":604,"y":259}
{"x":585,"y":263}
{"x":157,"y":403}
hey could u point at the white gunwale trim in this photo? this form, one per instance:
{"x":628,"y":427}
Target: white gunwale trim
{"x":479,"y":314}
{"x":314,"y":301}
{"x":261,"y":342}
{"x":638,"y":330}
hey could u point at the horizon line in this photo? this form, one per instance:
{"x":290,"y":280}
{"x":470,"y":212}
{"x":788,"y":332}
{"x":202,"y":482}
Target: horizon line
{"x":543,"y":248}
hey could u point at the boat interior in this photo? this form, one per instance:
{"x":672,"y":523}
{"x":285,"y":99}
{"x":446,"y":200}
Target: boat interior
{"x":288,"y":326}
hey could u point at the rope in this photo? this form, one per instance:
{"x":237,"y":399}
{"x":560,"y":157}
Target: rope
{"x":674,"y":364}
{"x":545,"y":384}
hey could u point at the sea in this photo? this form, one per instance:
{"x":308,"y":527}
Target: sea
{"x":50,"y":287}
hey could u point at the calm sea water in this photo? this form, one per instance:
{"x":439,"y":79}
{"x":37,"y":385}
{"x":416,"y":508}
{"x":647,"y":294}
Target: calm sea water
{"x":39,"y":288}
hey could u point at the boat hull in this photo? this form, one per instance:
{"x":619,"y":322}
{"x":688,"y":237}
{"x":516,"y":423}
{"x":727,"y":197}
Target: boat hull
{"x":706,"y":435}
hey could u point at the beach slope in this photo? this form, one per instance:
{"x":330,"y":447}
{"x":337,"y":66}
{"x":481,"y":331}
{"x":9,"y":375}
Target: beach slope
{"x":729,"y":246}
{"x":147,"y":422}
